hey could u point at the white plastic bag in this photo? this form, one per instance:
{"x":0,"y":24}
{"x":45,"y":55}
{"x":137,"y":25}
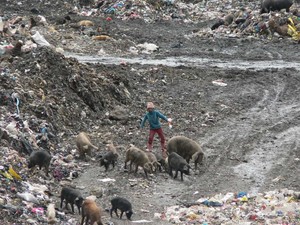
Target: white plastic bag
{"x":39,"y":39}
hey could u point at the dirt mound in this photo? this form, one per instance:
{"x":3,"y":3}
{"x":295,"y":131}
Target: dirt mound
{"x":59,"y":89}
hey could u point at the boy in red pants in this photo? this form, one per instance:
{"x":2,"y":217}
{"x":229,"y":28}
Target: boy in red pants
{"x":155,"y":127}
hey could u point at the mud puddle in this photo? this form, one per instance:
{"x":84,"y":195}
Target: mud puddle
{"x":189,"y":62}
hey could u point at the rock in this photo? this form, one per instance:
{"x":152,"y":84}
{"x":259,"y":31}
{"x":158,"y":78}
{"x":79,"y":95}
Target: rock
{"x":119,"y":113}
{"x":97,"y":191}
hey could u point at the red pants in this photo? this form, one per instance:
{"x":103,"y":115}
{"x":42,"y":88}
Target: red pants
{"x":161,"y":136}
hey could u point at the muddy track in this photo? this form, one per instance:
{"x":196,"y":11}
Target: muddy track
{"x":259,"y":139}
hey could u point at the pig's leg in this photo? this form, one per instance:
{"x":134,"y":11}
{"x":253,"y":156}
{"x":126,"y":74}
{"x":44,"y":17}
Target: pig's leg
{"x":181,"y":175}
{"x":176,"y":174}
{"x":170,"y":171}
{"x":116,"y":212}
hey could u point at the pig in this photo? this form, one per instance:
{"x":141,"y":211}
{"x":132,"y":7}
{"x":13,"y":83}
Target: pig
{"x":187,"y":148}
{"x":122,"y":204}
{"x":273,"y":5}
{"x":41,"y":158}
{"x":72,"y":196}
{"x":139,"y":158}
{"x":178,"y":163}
{"x":111,"y":147}
{"x":84,"y":145}
{"x":162,"y":162}
{"x":91,"y":212}
{"x":155,"y":164}
{"x":51,"y":213}
{"x":109,"y":158}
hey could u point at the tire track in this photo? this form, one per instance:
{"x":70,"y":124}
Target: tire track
{"x":268,"y":126}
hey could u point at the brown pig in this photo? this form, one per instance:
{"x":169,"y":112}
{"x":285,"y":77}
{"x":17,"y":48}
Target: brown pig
{"x":162,"y":162}
{"x":155,"y":164}
{"x":187,"y":148}
{"x":111,"y":147}
{"x":91,"y":213}
{"x":84,"y":144}
{"x":139,"y":158}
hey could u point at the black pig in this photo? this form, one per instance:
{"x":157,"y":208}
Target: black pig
{"x":273,"y":5}
{"x":41,"y":158}
{"x":109,"y":158}
{"x":71,"y":196}
{"x":122,"y":204}
{"x":187,"y":148}
{"x":178,"y":163}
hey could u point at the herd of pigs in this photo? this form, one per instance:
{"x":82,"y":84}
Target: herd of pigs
{"x":181,"y":150}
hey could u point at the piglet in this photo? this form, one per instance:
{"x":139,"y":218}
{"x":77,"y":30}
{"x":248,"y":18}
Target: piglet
{"x":178,"y":163}
{"x":51,"y":214}
{"x":91,"y":213}
{"x":41,"y":158}
{"x":84,"y":145}
{"x":71,"y":196}
{"x":122,"y":204}
{"x":110,"y":158}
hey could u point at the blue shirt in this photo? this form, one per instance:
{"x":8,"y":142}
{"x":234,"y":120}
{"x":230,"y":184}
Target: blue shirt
{"x":153,"y":119}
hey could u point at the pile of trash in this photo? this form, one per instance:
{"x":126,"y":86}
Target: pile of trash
{"x":228,"y":19}
{"x":220,"y":18}
{"x":25,"y":195}
{"x":273,"y":207}
{"x":45,"y":99}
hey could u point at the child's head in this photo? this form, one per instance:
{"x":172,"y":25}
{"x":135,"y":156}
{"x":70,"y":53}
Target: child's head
{"x":150,"y":106}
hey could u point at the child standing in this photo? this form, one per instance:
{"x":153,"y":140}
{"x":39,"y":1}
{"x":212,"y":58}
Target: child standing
{"x":155,"y":127}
